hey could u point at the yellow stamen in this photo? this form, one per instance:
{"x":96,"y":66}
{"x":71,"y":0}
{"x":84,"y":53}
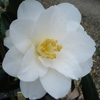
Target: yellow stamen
{"x":59,"y":47}
{"x":49,"y":48}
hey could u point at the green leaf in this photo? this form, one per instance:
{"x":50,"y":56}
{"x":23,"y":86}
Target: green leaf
{"x":7,"y":1}
{"x":89,"y":89}
{"x":13,"y":6}
{"x":7,"y":83}
{"x":2,"y":4}
{"x":6,"y":19}
{"x":97,"y":51}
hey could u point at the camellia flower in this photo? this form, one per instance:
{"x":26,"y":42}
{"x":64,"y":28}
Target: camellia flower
{"x":47,"y":49}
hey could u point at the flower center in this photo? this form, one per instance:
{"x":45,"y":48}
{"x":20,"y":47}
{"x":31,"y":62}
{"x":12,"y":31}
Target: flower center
{"x":49,"y":48}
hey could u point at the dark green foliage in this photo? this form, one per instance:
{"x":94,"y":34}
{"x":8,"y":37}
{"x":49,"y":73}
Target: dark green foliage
{"x":6,"y":19}
{"x":7,"y":83}
{"x":89,"y":89}
{"x":13,"y":6}
{"x":2,"y":4}
{"x":98,"y":51}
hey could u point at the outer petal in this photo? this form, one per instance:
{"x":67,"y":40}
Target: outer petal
{"x":20,"y":33}
{"x":67,"y":65}
{"x":12,"y":61}
{"x":50,"y":24}
{"x":7,"y":33}
{"x":70,"y":12}
{"x":30,"y":9}
{"x":86,"y":67}
{"x":80,"y":45}
{"x":56,"y":84}
{"x":80,"y":28}
{"x":31,"y":68}
{"x":32,"y":90}
{"x":7,"y":40}
{"x":72,"y":26}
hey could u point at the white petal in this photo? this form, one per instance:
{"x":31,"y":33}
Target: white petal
{"x":72,"y":26}
{"x":68,"y":65}
{"x":80,"y":45}
{"x":32,"y":90}
{"x":31,"y":68}
{"x":56,"y":84}
{"x":46,"y":62}
{"x":80,"y":28}
{"x":50,"y":24}
{"x":20,"y":33}
{"x":70,"y":12}
{"x":7,"y":33}
{"x":7,"y":40}
{"x":12,"y":61}
{"x":86,"y":67}
{"x":30,"y":9}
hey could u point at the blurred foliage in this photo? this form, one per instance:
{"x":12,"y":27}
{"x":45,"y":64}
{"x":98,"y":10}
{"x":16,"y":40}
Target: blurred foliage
{"x":2,"y":4}
{"x":6,"y":19}
{"x":97,"y":51}
{"x":88,"y":88}
{"x":7,"y":83}
{"x":13,"y":6}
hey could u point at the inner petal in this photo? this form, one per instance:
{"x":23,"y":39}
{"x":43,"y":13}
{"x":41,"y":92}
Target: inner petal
{"x":49,"y":48}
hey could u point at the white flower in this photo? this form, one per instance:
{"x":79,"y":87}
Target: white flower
{"x":47,"y":49}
